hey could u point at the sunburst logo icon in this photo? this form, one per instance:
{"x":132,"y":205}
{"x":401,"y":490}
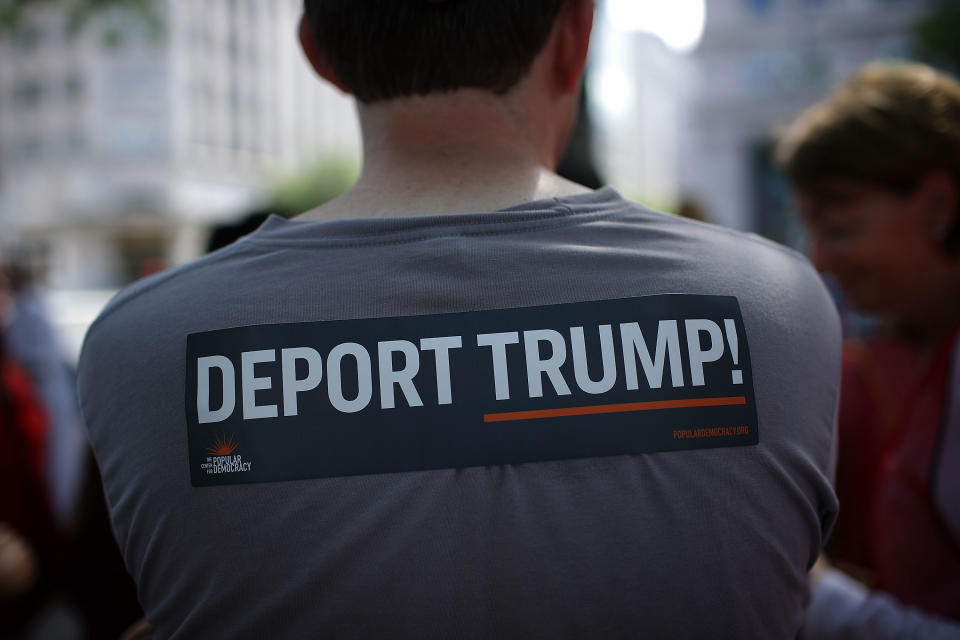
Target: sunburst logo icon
{"x":222,"y":446}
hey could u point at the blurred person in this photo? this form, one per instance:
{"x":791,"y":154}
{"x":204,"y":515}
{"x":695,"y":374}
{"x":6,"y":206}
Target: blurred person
{"x":6,"y":294}
{"x":29,"y":541}
{"x":18,"y":566}
{"x":90,"y":587}
{"x":468,"y":398}
{"x":30,"y":340}
{"x":876,"y":174}
{"x":692,"y":209}
{"x":228,"y":233}
{"x":101,"y":591}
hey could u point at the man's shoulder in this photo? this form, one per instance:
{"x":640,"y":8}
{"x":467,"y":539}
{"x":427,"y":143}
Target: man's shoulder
{"x":721,"y":253}
{"x":747,"y":244}
{"x":136,"y":310}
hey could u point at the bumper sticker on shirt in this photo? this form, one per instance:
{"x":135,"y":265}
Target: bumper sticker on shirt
{"x":293,"y":401}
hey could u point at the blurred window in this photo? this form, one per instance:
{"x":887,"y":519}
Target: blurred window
{"x":779,"y":73}
{"x":234,"y":98}
{"x":128,"y":22}
{"x":233,"y":46}
{"x":75,"y":143}
{"x":74,"y":86}
{"x":27,"y":148}
{"x":136,"y":137}
{"x":201,"y":37}
{"x":28,"y":38}
{"x":235,"y":138}
{"x":27,"y":93}
{"x":137,"y":87}
{"x":759,"y":7}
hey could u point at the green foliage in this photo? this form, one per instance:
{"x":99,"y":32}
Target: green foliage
{"x":937,"y":35}
{"x":13,"y":13}
{"x":318,"y":182}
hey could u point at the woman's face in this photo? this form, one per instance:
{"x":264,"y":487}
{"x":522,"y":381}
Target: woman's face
{"x":879,"y":244}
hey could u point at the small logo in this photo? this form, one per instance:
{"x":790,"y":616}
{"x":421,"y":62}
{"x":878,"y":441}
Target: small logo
{"x":222,"y":446}
{"x":221,"y":458}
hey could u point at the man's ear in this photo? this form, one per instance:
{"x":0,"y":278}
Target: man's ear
{"x":317,"y":61}
{"x":571,"y":43}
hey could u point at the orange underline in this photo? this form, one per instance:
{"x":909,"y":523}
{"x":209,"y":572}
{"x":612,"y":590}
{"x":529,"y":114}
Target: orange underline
{"x":614,"y":408}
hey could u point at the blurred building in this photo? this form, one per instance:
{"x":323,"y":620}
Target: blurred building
{"x":640,"y":90}
{"x":759,"y":64}
{"x":122,"y":141}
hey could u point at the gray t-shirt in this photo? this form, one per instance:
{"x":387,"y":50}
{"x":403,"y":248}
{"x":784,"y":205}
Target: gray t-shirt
{"x":706,"y":534}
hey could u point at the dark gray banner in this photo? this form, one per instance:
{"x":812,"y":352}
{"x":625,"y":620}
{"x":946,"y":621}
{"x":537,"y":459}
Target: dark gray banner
{"x":379,"y":395}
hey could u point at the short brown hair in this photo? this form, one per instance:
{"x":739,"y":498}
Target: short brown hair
{"x":394,"y":48}
{"x":890,"y":125}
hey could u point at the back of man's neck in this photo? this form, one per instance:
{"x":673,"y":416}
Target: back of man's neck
{"x":465,"y":152}
{"x":447,"y":192}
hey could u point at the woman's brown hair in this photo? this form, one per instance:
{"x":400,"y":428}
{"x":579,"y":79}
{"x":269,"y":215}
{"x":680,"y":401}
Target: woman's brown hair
{"x":891,"y":125}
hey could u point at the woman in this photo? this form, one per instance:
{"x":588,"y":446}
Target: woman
{"x":876,"y":174}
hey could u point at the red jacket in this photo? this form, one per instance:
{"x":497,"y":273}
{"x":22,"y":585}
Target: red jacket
{"x":23,"y":446}
{"x":892,"y":413}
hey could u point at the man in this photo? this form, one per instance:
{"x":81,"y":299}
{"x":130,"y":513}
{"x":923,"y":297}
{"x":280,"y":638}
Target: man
{"x":469,"y":398}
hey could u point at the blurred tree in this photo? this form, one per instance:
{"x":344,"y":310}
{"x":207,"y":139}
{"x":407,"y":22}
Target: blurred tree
{"x":936,"y":37}
{"x":318,"y":182}
{"x":12,"y":12}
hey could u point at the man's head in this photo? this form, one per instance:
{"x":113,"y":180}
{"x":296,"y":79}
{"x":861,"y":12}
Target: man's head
{"x":383,"y":50}
{"x":876,"y":171}
{"x":497,"y":74}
